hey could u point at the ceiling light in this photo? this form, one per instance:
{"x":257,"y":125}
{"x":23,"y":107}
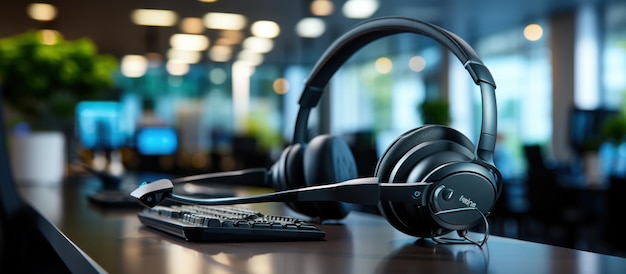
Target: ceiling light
{"x":177,"y":68}
{"x":322,"y":7}
{"x":417,"y":63}
{"x":48,"y":36}
{"x":383,"y":65}
{"x":192,"y":25}
{"x":280,"y":86}
{"x":154,"y":17}
{"x":195,"y":42}
{"x":225,"y":42}
{"x":265,"y":29}
{"x":249,"y":57}
{"x":533,"y":32}
{"x":184,"y":56}
{"x":229,"y":37}
{"x":258,"y":44}
{"x":41,"y":11}
{"x":227,"y":21}
{"x":220,"y":53}
{"x":134,"y":66}
{"x":310,"y":27}
{"x":359,"y":9}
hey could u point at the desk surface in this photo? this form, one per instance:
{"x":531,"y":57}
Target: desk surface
{"x":362,"y":243}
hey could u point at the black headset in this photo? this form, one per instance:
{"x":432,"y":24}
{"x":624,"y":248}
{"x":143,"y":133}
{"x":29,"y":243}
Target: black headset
{"x":430,"y":181}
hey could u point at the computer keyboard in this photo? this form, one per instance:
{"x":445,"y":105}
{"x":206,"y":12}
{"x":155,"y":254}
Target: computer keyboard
{"x":197,"y":223}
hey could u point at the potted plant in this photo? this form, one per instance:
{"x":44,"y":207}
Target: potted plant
{"x":600,"y":149}
{"x":42,"y":78}
{"x":435,"y":111}
{"x":613,"y":132}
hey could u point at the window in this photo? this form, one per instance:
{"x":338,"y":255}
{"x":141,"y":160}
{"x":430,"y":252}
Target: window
{"x":522,"y":72}
{"x":614,"y":64}
{"x":378,"y":90}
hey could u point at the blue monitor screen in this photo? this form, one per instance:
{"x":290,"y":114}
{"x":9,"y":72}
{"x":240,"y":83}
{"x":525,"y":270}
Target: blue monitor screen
{"x":156,"y":141}
{"x":98,"y":124}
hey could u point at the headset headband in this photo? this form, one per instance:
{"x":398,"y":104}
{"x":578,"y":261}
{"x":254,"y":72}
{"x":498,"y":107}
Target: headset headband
{"x":362,"y":34}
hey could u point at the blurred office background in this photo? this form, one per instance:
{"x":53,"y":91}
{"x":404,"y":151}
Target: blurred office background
{"x":205,"y":86}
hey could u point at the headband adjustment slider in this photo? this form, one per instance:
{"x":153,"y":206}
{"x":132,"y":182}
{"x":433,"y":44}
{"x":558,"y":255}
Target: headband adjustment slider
{"x":310,"y":97}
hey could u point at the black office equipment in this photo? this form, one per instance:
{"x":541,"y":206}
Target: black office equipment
{"x":585,"y":127}
{"x":115,"y":191}
{"x":198,"y":223}
{"x":30,"y":243}
{"x":432,"y":180}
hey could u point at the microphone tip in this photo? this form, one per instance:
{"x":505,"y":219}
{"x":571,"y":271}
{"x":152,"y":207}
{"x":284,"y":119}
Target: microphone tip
{"x":151,"y":194}
{"x":462,"y":233}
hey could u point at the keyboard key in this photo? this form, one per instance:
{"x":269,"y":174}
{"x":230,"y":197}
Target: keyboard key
{"x":213,"y":222}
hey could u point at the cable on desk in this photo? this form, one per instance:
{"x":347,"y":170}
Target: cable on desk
{"x":463,"y":233}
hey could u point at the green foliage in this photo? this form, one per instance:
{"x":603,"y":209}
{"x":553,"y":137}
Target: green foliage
{"x":42,"y":75}
{"x":258,"y":127}
{"x":613,"y":129}
{"x":435,"y":111}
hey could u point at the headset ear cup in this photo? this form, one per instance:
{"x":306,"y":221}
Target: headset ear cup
{"x":287,"y":173}
{"x":416,"y":150}
{"x":278,"y":172}
{"x":327,"y":160}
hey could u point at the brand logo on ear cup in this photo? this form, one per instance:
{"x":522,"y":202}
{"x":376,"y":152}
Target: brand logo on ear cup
{"x":467,"y":201}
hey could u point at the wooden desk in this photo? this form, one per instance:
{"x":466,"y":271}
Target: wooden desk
{"x":363,"y":243}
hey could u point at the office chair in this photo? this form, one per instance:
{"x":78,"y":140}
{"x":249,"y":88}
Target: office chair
{"x":613,"y":233}
{"x":554,"y":208}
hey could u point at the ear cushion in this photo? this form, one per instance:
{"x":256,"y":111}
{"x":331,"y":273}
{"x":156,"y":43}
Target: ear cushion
{"x":294,"y":167}
{"x":279,"y":168}
{"x":287,"y":172}
{"x":415,"y":154}
{"x":327,"y":160}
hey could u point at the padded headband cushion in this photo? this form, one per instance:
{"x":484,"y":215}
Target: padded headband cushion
{"x":371,"y":30}
{"x":362,"y":34}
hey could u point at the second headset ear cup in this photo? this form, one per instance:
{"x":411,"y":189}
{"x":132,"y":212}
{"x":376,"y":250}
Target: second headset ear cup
{"x":421,"y":149}
{"x":282,"y":176}
{"x":287,"y":173}
{"x":328,"y":159}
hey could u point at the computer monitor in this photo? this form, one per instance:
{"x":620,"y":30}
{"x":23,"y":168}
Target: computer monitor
{"x":98,"y":125}
{"x":586,"y":127}
{"x":156,"y":140}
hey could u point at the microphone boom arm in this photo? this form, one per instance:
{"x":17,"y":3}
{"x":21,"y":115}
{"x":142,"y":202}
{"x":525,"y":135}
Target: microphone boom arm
{"x":251,"y":176}
{"x":356,"y":191}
